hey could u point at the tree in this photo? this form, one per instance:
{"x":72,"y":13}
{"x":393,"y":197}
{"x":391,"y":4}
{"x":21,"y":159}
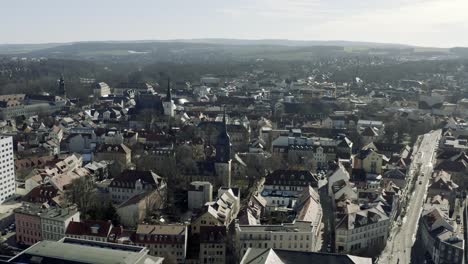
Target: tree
{"x":82,"y":193}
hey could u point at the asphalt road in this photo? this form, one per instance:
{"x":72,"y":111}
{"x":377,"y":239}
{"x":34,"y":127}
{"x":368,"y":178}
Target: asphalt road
{"x":403,"y":234}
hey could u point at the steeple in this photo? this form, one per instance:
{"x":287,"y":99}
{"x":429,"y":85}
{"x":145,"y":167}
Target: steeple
{"x":223,"y":144}
{"x":169,"y":94}
{"x":168,"y":103}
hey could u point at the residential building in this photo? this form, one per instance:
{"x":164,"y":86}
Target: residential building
{"x":28,"y":224}
{"x":164,"y":240}
{"x":94,"y":230}
{"x":54,"y":222}
{"x":7,"y":169}
{"x":219,"y":213}
{"x":101,"y":89}
{"x":441,"y":236}
{"x":302,"y":234}
{"x":213,"y":244}
{"x":283,"y":187}
{"x":134,"y":210}
{"x":370,"y":161}
{"x":130,"y":183}
{"x":361,"y":228}
{"x":120,"y":154}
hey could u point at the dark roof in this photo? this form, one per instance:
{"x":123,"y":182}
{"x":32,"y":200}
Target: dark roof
{"x":388,"y":147}
{"x":41,"y":194}
{"x":131,"y":176}
{"x":369,"y":132}
{"x":291,"y":178}
{"x":86,"y":227}
{"x":363,"y":153}
{"x":121,"y":148}
{"x":294,"y":257}
{"x":452,"y":166}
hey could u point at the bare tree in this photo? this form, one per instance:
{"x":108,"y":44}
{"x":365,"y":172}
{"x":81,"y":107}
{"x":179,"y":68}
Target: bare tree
{"x":81,"y":192}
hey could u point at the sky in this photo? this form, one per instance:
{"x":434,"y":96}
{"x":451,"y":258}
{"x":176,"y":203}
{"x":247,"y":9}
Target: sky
{"x":432,"y":23}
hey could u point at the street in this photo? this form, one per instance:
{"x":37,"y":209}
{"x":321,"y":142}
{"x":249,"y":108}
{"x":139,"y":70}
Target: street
{"x":403,"y":234}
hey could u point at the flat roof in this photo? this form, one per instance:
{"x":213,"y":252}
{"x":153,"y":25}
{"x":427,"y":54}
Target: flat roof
{"x":87,"y":253}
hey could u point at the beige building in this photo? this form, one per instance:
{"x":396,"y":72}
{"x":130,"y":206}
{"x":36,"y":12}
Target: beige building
{"x":361,"y":229}
{"x":167,"y":241}
{"x":302,"y":234}
{"x":55,"y":222}
{"x":134,"y":210}
{"x":120,"y":155}
{"x":370,"y":161}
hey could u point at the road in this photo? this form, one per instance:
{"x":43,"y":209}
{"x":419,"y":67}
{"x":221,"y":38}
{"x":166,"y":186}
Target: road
{"x":403,"y":234}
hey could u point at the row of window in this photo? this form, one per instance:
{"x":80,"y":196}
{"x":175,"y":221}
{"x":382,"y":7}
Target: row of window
{"x":265,"y":245}
{"x":27,"y":232}
{"x":267,"y":237}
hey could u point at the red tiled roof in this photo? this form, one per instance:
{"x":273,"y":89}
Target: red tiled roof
{"x":86,"y":228}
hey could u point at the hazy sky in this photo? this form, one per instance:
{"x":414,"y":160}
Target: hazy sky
{"x":440,"y":23}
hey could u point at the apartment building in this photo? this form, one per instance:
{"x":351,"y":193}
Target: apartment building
{"x":219,"y":213}
{"x":55,"y":222}
{"x":360,"y":228}
{"x":95,"y":230}
{"x":132,"y":182}
{"x":300,"y":235}
{"x":164,"y":240}
{"x":7,"y":169}
{"x":213,"y":241}
{"x":28,"y":224}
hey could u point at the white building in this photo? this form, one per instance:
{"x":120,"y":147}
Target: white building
{"x":300,"y":235}
{"x":55,"y":222}
{"x":7,"y":169}
{"x":101,"y":89}
{"x":362,"y":229}
{"x":199,"y":194}
{"x":297,"y":236}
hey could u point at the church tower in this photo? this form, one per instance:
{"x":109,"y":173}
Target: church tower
{"x":168,"y":103}
{"x":223,"y":155}
{"x":61,"y":87}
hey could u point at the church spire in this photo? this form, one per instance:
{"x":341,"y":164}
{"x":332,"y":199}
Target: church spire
{"x":169,"y":94}
{"x":223,"y":144}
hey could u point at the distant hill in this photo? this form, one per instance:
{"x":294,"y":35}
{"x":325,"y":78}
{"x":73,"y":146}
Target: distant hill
{"x":211,"y":50}
{"x":25,"y":48}
{"x":293,"y":43}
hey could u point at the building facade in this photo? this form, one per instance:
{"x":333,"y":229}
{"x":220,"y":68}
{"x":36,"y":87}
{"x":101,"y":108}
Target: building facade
{"x":7,"y":169}
{"x":55,"y":222}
